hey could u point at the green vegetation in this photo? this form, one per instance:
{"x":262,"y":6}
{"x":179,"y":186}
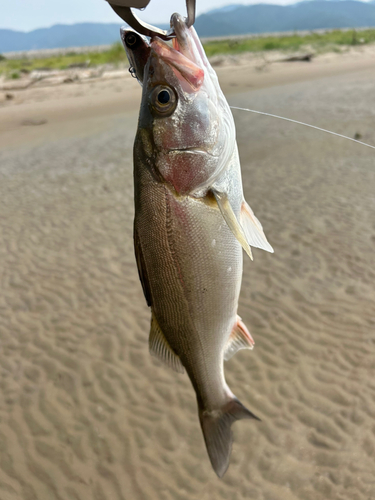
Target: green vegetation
{"x":319,"y":42}
{"x":115,"y":55}
{"x":333,"y":41}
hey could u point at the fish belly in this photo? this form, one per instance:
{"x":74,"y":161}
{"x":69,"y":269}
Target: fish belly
{"x":194,"y":269}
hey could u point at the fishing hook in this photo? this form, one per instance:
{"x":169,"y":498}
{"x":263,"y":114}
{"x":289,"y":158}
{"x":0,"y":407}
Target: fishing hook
{"x":123,"y":10}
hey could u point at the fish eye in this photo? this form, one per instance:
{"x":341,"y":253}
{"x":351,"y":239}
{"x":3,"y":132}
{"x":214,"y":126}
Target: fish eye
{"x":131,"y":40}
{"x":164,"y":97}
{"x":163,"y":100}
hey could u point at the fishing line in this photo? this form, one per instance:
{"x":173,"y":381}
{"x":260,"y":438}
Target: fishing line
{"x":305,"y":124}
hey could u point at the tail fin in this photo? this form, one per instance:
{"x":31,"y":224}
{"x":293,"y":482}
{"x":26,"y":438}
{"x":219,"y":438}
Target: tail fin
{"x":216,"y":427}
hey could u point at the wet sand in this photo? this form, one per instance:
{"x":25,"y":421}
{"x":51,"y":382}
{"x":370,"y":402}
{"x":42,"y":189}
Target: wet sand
{"x":85,"y":412}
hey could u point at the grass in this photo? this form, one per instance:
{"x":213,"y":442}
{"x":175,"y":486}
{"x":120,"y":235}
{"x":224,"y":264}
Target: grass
{"x":332,"y":41}
{"x":115,"y":55}
{"x":319,"y":42}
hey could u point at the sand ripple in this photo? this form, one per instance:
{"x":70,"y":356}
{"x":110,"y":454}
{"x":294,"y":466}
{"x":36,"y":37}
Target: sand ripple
{"x":84,"y":410}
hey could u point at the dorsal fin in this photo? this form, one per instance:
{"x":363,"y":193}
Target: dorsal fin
{"x":160,"y":349}
{"x":240,"y":338}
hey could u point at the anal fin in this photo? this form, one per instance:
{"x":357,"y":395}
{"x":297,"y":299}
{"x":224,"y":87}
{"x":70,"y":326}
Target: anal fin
{"x":240,"y":338}
{"x":253,"y":229}
{"x":231,"y":219}
{"x":160,"y":349}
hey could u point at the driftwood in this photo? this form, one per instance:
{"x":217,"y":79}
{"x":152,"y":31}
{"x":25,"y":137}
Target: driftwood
{"x":303,"y":57}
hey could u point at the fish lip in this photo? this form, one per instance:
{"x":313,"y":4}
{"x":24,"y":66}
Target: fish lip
{"x":180,"y":28}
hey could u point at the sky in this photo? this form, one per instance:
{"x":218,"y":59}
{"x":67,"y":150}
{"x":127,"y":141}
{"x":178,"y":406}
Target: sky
{"x":26,"y":15}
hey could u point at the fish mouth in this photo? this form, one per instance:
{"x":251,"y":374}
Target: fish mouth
{"x":181,"y":56}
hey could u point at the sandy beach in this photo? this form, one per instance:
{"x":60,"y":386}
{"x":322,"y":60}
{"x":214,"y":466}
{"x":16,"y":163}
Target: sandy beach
{"x":85,"y":412}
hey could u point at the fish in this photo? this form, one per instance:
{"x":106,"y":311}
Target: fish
{"x":191,"y":224}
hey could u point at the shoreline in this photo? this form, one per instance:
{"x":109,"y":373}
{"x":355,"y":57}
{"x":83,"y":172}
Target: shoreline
{"x":38,"y":114}
{"x":44,"y":53}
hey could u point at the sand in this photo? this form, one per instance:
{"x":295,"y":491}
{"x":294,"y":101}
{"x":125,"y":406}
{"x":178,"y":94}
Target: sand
{"x":85,"y":412}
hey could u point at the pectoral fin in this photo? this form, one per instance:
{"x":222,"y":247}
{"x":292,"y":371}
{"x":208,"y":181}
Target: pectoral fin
{"x":253,"y":229}
{"x":159,"y":348}
{"x":240,"y":338}
{"x":231,"y":219}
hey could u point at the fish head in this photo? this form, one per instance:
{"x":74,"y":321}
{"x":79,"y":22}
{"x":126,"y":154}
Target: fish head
{"x":184,"y":119}
{"x":138,"y":51}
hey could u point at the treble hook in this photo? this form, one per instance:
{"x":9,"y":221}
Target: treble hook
{"x":123,"y":9}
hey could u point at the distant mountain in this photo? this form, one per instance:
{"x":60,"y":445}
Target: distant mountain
{"x":301,"y":16}
{"x":228,"y":8}
{"x":229,"y":20}
{"x":60,"y":36}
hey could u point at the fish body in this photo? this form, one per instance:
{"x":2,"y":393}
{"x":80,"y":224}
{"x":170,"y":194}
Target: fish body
{"x":191,"y":221}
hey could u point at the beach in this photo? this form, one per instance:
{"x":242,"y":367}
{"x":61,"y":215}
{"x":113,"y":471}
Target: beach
{"x":85,"y":412}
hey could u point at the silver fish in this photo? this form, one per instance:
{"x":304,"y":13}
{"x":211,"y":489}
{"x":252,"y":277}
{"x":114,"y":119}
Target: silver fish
{"x":191,"y":221}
